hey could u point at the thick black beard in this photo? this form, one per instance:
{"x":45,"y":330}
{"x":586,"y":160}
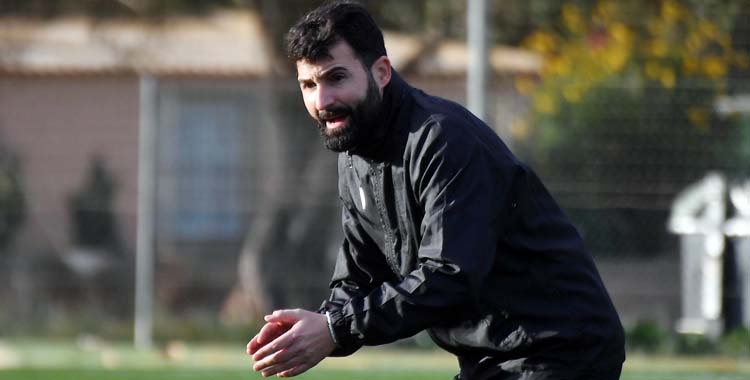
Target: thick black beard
{"x":362,"y":122}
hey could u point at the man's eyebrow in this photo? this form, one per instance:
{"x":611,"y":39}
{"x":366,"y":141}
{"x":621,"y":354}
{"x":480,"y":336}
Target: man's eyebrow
{"x":333,"y":70}
{"x":324,"y":73}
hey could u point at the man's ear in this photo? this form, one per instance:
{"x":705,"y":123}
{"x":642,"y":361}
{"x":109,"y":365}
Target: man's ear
{"x":381,"y":72}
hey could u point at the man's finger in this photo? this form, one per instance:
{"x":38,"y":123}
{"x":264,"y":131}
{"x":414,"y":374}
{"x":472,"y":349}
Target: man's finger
{"x":266,"y":334}
{"x":276,"y":369}
{"x":289,"y":354}
{"x":279,"y":361}
{"x":294,"y":371}
{"x":252,"y":345}
{"x":289,"y":316}
{"x":268,"y":371}
{"x":277,"y":344}
{"x":267,"y":362}
{"x":279,"y":368}
{"x":269,"y":332}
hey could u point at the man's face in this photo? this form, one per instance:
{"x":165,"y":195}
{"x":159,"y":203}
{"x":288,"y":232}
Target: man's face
{"x":342,"y":96}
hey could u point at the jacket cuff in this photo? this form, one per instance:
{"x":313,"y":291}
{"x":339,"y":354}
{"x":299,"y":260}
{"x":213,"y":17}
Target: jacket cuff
{"x":346,"y":342}
{"x":330,"y":329}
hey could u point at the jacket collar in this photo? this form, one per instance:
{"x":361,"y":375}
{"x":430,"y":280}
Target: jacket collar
{"x":388,"y":124}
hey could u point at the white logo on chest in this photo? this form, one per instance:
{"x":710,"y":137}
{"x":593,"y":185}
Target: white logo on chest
{"x":362,"y":198}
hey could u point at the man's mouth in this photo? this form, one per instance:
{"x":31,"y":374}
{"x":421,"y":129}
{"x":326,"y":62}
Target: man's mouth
{"x":336,"y":122}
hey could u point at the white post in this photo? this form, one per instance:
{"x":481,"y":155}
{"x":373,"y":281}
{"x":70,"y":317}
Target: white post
{"x":738,"y":229}
{"x":698,"y":215}
{"x":478,"y":62}
{"x":144,"y":277}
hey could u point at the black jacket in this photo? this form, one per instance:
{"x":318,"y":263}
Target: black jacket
{"x":445,"y":230}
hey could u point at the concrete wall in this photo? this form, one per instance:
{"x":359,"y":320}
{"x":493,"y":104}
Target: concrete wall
{"x":56,"y":125}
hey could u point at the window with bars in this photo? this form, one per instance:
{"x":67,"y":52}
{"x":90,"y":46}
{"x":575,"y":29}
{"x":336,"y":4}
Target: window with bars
{"x":205,"y":146}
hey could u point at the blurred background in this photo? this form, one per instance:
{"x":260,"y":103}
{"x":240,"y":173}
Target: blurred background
{"x":174,"y":131}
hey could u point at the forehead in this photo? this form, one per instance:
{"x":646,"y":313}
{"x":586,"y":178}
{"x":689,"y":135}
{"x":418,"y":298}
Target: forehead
{"x":340,"y":55}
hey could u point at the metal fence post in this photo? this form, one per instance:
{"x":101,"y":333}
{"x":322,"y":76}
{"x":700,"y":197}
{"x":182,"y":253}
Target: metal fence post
{"x":144,"y":277}
{"x":476,"y":85}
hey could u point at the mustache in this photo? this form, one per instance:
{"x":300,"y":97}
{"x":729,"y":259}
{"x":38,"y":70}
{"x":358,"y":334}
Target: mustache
{"x":333,"y":112}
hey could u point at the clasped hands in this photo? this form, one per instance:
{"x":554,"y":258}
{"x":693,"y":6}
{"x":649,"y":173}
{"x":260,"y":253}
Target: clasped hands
{"x":290,"y":343}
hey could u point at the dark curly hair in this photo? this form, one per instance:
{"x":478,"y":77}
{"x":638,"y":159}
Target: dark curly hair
{"x":316,"y":32}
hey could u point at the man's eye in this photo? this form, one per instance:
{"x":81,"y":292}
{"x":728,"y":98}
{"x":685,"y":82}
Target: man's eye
{"x":338,"y":78}
{"x":307,"y":85}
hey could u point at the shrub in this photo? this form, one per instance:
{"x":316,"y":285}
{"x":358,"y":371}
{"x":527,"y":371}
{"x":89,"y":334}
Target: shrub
{"x":646,"y":336}
{"x":12,"y":204}
{"x":695,"y":344}
{"x":736,"y":343}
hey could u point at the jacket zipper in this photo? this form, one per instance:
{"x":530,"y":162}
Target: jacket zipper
{"x":390,"y":255}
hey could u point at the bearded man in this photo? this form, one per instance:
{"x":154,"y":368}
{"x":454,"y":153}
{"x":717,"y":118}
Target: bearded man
{"x":444,"y":230}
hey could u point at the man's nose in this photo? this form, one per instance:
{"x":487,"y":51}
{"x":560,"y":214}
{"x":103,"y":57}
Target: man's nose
{"x":323,"y":98}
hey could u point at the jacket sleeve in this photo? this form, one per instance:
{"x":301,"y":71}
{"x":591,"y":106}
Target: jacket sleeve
{"x":453,"y":184}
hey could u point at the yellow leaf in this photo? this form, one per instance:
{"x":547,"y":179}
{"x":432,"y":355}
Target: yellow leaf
{"x":653,"y":70}
{"x":690,"y":65}
{"x":714,"y":67}
{"x":541,"y":42}
{"x":572,"y":18}
{"x":605,"y":11}
{"x":545,"y":103}
{"x":668,"y":77}
{"x":658,"y":48}
{"x":621,"y":33}
{"x":695,"y":42}
{"x":671,"y":11}
{"x":615,"y":59}
{"x":573,"y":93}
{"x":698,"y":117}
{"x":708,"y":29}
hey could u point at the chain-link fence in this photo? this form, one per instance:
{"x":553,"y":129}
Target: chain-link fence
{"x":247,"y":215}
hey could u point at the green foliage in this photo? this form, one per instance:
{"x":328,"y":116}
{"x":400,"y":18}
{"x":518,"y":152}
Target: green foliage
{"x":12,"y":203}
{"x":646,"y":336}
{"x":623,"y":112}
{"x":623,"y":68}
{"x":736,"y":343}
{"x":694,"y":344}
{"x":91,"y":209}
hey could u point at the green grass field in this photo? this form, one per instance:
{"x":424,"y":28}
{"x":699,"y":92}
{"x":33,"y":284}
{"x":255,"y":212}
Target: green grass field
{"x":91,"y":359}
